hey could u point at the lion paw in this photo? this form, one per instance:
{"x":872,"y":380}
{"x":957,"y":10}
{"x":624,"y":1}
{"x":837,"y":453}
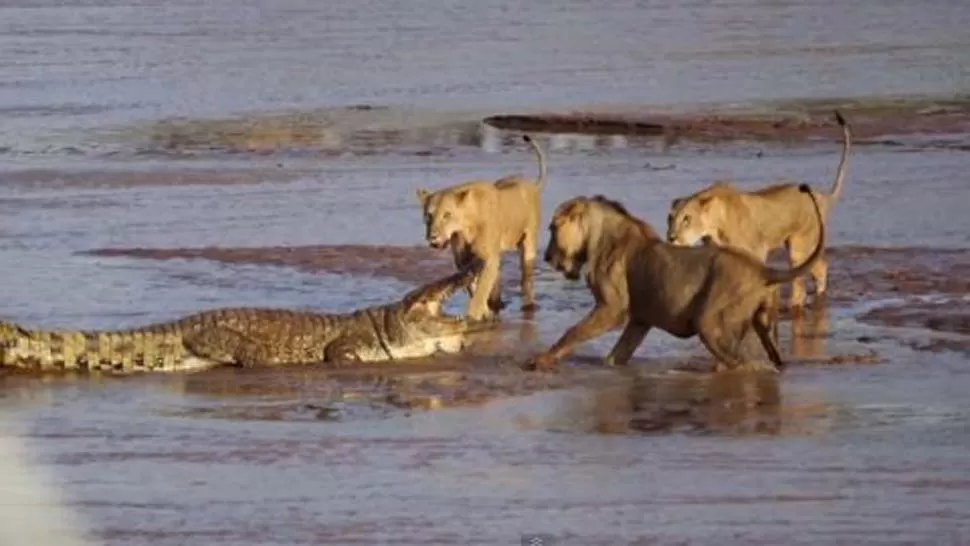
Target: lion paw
{"x":540,"y":363}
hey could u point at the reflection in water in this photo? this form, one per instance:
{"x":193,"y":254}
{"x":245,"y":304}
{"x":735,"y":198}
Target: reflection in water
{"x":619,"y":402}
{"x":31,"y":511}
{"x":302,"y":397}
{"x":809,"y":331}
{"x":302,"y":394}
{"x":724,"y":403}
{"x":528,"y":332}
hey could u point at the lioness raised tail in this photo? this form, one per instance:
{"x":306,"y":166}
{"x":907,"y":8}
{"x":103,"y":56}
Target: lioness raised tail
{"x":762,"y":220}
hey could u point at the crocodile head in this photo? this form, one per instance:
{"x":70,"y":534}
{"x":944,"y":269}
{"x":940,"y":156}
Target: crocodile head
{"x":418,"y":326}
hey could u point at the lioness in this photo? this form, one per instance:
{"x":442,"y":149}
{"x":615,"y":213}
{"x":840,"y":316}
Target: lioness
{"x":714,"y":292}
{"x":483,"y":219}
{"x":761,"y":221}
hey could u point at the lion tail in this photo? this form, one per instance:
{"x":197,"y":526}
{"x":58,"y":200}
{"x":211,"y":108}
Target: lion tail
{"x":775,"y":276}
{"x":540,"y":158}
{"x":836,"y":190}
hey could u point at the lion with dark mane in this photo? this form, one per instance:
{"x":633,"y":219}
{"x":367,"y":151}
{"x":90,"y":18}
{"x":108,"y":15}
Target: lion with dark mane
{"x":716,"y":293}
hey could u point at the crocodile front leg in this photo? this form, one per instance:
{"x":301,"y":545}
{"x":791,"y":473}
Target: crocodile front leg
{"x":353,"y":349}
{"x":227,"y":346}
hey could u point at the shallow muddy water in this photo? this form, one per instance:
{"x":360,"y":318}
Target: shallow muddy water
{"x":863,"y":440}
{"x":471,"y":450}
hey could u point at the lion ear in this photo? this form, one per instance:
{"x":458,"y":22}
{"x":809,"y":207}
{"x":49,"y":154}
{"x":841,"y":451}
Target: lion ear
{"x":461,"y":196}
{"x":704,"y":201}
{"x":423,"y":195}
{"x":676,"y":203}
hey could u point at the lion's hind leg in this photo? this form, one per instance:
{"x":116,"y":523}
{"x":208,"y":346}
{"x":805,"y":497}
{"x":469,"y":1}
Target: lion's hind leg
{"x":495,"y":302}
{"x":819,"y":273}
{"x":720,"y":343}
{"x":725,"y":323}
{"x":527,"y":261}
{"x":631,"y":338}
{"x":764,"y":334}
{"x":770,"y":313}
{"x":798,"y":252}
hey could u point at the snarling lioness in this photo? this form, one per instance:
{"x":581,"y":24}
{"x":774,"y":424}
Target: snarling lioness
{"x":481,"y":220}
{"x":761,"y":221}
{"x":714,"y":292}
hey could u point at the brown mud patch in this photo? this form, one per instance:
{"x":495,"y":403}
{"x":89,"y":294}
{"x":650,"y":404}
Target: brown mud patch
{"x":940,"y":316}
{"x":786,"y":122}
{"x":908,"y":274}
{"x":859,"y":272}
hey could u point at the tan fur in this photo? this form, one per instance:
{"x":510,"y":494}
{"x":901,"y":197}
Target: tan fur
{"x":771,"y":312}
{"x":761,"y":221}
{"x":480,"y":220}
{"x":714,"y":292}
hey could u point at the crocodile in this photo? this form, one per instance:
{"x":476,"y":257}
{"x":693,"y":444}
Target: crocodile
{"x":414,"y":326}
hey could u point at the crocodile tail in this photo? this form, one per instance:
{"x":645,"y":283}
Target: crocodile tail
{"x":836,"y":190}
{"x":540,"y":158}
{"x":775,"y":276}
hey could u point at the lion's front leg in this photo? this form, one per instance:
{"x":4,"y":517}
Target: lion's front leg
{"x":601,"y":319}
{"x":527,"y":264}
{"x":478,"y":308}
{"x":464,"y":260}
